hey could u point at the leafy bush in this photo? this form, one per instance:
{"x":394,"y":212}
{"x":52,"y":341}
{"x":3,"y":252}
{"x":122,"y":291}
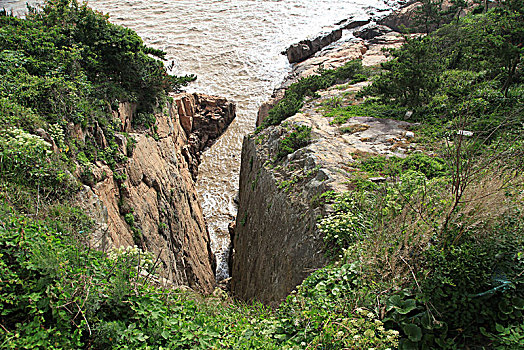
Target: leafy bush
{"x":69,"y":64}
{"x":294,"y":96}
{"x":320,"y":314}
{"x":28,"y":160}
{"x":431,"y":167}
{"x":296,"y":139}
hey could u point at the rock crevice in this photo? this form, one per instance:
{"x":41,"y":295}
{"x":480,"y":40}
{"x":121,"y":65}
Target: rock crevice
{"x":151,"y":200}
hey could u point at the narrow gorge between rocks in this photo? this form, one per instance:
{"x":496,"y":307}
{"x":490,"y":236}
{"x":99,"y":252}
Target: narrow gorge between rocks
{"x":234,"y":48}
{"x":261,"y":174}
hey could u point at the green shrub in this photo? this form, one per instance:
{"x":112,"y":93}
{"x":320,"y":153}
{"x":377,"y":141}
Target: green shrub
{"x":294,"y":96}
{"x":298,"y":138}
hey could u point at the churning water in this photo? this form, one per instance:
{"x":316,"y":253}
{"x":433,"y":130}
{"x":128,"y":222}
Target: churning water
{"x":233,"y":46}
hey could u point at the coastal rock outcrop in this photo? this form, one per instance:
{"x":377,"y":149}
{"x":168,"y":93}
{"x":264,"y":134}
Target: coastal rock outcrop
{"x":203,"y":118}
{"x":151,"y":200}
{"x":371,"y":52}
{"x":371,"y":32}
{"x":307,"y":48}
{"x":276,"y":243}
{"x":409,"y":16}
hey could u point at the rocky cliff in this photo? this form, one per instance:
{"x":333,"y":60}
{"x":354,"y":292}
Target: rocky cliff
{"x":276,"y":243}
{"x":151,"y":200}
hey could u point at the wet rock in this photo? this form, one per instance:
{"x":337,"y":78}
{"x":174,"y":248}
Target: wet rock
{"x":372,"y":32}
{"x":352,"y":24}
{"x":298,"y":52}
{"x":307,"y":48}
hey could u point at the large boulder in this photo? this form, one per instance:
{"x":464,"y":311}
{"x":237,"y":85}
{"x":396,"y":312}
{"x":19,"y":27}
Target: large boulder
{"x":307,"y":48}
{"x":371,"y":32}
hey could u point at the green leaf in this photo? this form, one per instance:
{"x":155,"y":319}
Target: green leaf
{"x":413,"y":332}
{"x":407,"y":306}
{"x":518,"y":303}
{"x":393,"y":301}
{"x":425,"y":321}
{"x":505,"y":307}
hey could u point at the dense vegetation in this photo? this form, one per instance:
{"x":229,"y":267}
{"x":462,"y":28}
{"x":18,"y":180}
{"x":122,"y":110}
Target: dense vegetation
{"x":294,"y":96}
{"x":441,"y":241}
{"x":63,"y":68}
{"x":431,"y":258}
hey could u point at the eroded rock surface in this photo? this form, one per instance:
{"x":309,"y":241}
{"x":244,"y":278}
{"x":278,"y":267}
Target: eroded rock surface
{"x":203,"y":118}
{"x":151,"y":200}
{"x":276,"y":243}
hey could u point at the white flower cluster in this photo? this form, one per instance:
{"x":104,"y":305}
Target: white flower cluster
{"x":21,"y":141}
{"x":374,"y":330}
{"x":144,"y":258}
{"x":57,"y":133}
{"x":337,"y":225}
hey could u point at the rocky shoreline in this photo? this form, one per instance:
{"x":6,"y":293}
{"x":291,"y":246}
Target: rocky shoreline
{"x":275,"y":241}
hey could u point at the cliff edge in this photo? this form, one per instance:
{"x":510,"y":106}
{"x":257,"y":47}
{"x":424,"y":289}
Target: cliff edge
{"x":151,"y":201}
{"x":276,"y":242}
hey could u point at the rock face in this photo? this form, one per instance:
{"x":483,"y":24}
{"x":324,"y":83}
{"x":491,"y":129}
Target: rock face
{"x":276,"y":243}
{"x":203,"y":118}
{"x":307,"y":48}
{"x":151,"y":201}
{"x":403,"y":18}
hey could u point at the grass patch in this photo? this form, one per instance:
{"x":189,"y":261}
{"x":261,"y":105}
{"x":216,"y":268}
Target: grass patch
{"x":341,"y":115}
